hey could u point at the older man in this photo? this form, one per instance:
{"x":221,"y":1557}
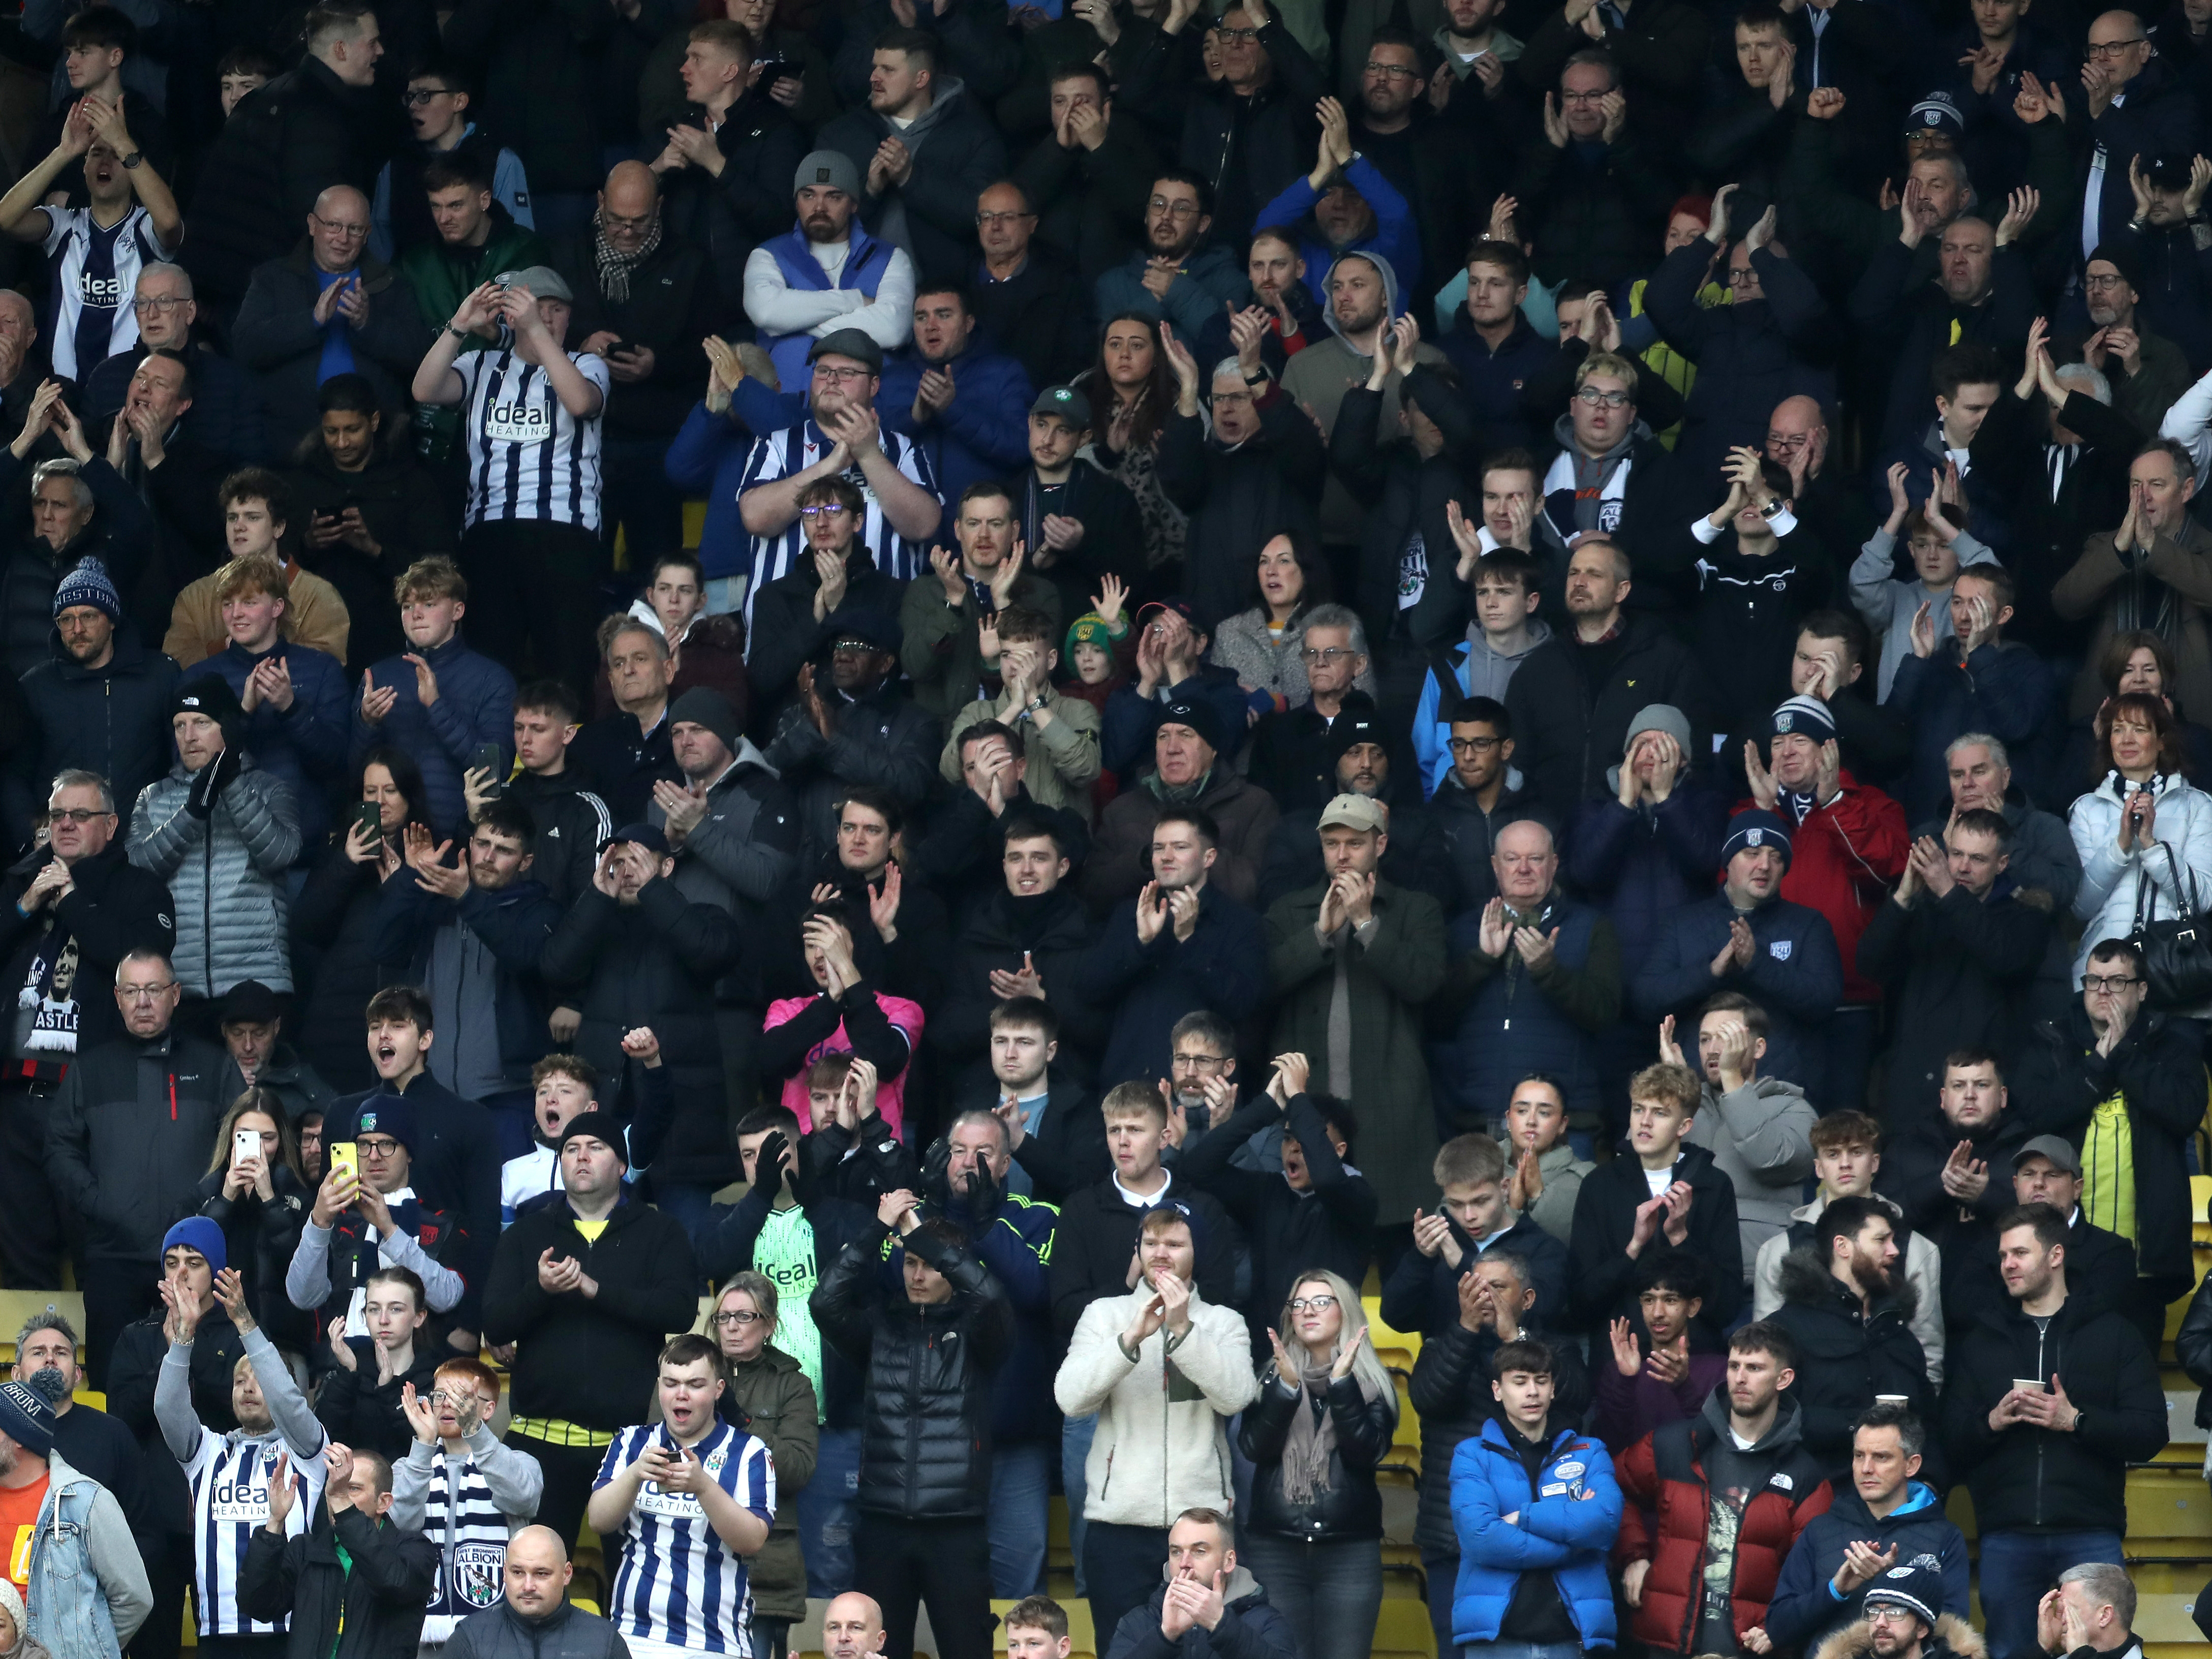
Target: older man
{"x":827,"y":275}
{"x":1187,"y":748}
{"x":2133,"y":576}
{"x":1293,"y":750}
{"x":2040,"y":853}
{"x":328,"y":307}
{"x":226,"y":413}
{"x":1027,"y":296}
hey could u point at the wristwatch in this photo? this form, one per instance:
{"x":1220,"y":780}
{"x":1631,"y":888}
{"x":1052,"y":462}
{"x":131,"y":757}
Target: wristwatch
{"x":458,"y":333}
{"x":134,"y":158}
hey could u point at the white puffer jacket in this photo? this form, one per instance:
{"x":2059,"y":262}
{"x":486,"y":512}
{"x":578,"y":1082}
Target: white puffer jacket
{"x":2106,"y":901}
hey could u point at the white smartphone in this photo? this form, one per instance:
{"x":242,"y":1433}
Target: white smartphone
{"x":2028,"y":1384}
{"x":244,"y":1144}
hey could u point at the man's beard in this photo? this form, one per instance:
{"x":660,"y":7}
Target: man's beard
{"x":1872,"y":1277}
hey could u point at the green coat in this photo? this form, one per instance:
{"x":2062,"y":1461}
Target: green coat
{"x":1390,"y":976}
{"x":939,"y":650}
{"x":775,"y":1392}
{"x":442,"y":279}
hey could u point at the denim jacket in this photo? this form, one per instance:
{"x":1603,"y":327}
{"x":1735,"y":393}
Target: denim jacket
{"x":87,"y":1590}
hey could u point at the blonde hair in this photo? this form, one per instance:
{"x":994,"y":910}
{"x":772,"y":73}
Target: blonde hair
{"x":1367,"y":1365}
{"x":254,"y":573}
{"x":1608,"y":363}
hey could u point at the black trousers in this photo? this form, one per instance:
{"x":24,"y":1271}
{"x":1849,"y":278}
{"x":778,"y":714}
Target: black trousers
{"x":539,"y":583}
{"x":169,"y":1559}
{"x":30,"y":1235}
{"x":117,"y":1293}
{"x":945,"y":1565}
{"x":243,"y":1647}
{"x":569,"y":1472}
{"x":1121,"y":1570}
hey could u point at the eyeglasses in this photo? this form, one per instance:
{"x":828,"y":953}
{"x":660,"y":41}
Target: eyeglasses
{"x":1789,"y":443}
{"x":2115,"y":48}
{"x":1228,"y":399}
{"x":415,"y":97}
{"x":339,"y":227}
{"x":2103,"y":283}
{"x":76,"y":814}
{"x":1594,"y":399}
{"x":841,"y":376}
{"x":378,"y":1146}
{"x":1583,"y":97}
{"x":1197,"y":1062}
{"x":1743,"y":278}
{"x":1393,"y":71}
{"x":1328,"y":654}
{"x":993,"y":220}
{"x":2108,"y":982}
{"x":167,"y":303}
{"x":824,"y":510}
{"x":1173,"y":210}
{"x":1312,"y":1304}
{"x":456,"y":1398}
{"x":740,"y":1318}
{"x":1473,"y":745}
{"x":1228,"y":37}
{"x":145,"y":992}
{"x":639,"y":221}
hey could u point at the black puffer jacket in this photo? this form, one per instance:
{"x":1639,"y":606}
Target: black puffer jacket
{"x":1239,"y":499}
{"x":113,"y":721}
{"x":1344,"y":1507}
{"x":1450,"y":1389}
{"x":926,"y":1427}
{"x":655,"y":963}
{"x":2024,"y":1476}
{"x":1847,"y":1356}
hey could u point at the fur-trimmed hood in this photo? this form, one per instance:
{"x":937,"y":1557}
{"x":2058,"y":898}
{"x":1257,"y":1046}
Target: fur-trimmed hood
{"x":1806,"y":1281}
{"x":1954,"y":1635}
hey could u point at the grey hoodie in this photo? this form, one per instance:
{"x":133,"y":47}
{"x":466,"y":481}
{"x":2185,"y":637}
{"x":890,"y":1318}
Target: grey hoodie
{"x":1761,"y":1139}
{"x":1489,"y":671}
{"x":893,"y":228}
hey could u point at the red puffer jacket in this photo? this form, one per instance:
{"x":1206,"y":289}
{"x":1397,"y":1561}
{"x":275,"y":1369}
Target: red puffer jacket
{"x":1843,"y":859}
{"x":1666,"y":1506}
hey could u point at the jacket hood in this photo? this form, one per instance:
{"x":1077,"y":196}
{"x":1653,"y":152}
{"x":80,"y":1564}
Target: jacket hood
{"x":1242,"y":1587}
{"x":941,"y":104}
{"x":1784,"y":1436}
{"x":1477,"y":643}
{"x":1920,"y":1501}
{"x":1563,"y":431}
{"x":1855,"y":1641}
{"x":1389,"y":287}
{"x":1807,"y":1281}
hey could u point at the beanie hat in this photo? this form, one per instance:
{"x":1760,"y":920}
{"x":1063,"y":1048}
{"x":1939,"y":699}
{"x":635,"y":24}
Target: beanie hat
{"x":1659,"y":717}
{"x":89,"y":584}
{"x":832,"y":168}
{"x":704,"y":706}
{"x":197,"y":1232}
{"x":388,"y":1115}
{"x":11,"y":1601}
{"x":2121,"y":260}
{"x":1089,"y":629}
{"x":1198,"y":714}
{"x":1805,"y":717}
{"x":1919,"y":1590}
{"x":1756,"y":826}
{"x":26,"y":1419}
{"x":211,"y":695}
{"x":596,"y":1126}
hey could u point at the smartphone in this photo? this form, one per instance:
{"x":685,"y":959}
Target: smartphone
{"x":370,"y":817}
{"x":244,"y":1144}
{"x":2028,"y":1384}
{"x":489,"y":760}
{"x":345,"y":1159}
{"x":622,"y":348}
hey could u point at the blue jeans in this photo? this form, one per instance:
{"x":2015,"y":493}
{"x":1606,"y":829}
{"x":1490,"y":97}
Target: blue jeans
{"x":1021,"y":1482}
{"x":829,"y":1509}
{"x":2017,"y":1568}
{"x":1076,"y":1434}
{"x":1520,"y":1649}
{"x":1443,"y":1585}
{"x":1328,"y":1594}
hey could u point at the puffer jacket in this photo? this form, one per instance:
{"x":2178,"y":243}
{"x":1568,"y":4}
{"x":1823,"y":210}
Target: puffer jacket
{"x":1158,"y":1450}
{"x":113,"y":721}
{"x":1564,"y":1522}
{"x":1239,"y":498}
{"x":1848,"y":1356}
{"x":925,"y":1428}
{"x":567,"y":1632}
{"x":1954,"y":1638}
{"x":773,"y":1399}
{"x":1667,"y":1509}
{"x":1844,"y":858}
{"x":1346,"y":1505}
{"x":655,"y":963}
{"x":227,"y":874}
{"x":2106,"y":901}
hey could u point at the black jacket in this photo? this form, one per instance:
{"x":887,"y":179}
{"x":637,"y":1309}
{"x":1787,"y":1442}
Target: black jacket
{"x":961,"y":158}
{"x":1405,"y":494}
{"x":785,"y":634}
{"x":260,"y":1238}
{"x":925,"y":1428}
{"x":591,"y":1360}
{"x":542,"y":71}
{"x":359,"y":1411}
{"x":456,"y":1170}
{"x":1957,"y":970}
{"x":1239,"y":500}
{"x":513,"y":924}
{"x":113,"y":721}
{"x":1566,"y":731}
{"x":1250,"y":1628}
{"x":1345,"y":1505}
{"x":884,"y":739}
{"x":620,"y":762}
{"x":114,"y":908}
{"x":1040,"y":316}
{"x":368,"y":1608}
{"x":1089,"y":204}
{"x":1422,"y":1292}
{"x":673,"y":306}
{"x":567,"y":1632}
{"x":1068,"y":1152}
{"x":1602,"y":206}
{"x":655,"y":963}
{"x":1055,"y":931}
{"x":721,"y":221}
{"x":131,"y":1127}
{"x":2061,"y":1079}
{"x":2023,"y":1476}
{"x":280,"y":341}
{"x":1097,"y":1234}
{"x":407,"y":513}
{"x":571,"y":825}
{"x":1847,"y":1355}
{"x":1605,"y":1221}
{"x":120,"y":535}
{"x":1912,"y":1176}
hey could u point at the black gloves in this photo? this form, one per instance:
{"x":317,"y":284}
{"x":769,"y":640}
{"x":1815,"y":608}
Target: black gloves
{"x":767,"y":1165}
{"x":984,"y":1193}
{"x":209,"y":781}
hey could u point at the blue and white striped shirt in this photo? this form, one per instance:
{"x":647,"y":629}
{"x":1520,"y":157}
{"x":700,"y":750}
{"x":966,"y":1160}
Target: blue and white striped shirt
{"x":795,"y":449}
{"x":678,"y":1583}
{"x":93,"y":276}
{"x":529,"y":458}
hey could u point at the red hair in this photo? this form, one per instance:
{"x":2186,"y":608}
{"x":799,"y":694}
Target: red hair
{"x":1699,"y":208}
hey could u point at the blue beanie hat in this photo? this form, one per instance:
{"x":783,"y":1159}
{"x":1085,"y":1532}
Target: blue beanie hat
{"x":89,"y":584}
{"x":388,"y":1115}
{"x":197,"y":1232}
{"x":1755,"y":827}
{"x":26,"y":1419}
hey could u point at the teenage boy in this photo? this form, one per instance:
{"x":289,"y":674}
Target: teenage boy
{"x":573,"y":823}
{"x":1479,"y":795}
{"x":1669,"y":1193}
{"x":1846,"y":1158}
{"x":294,"y":696}
{"x":438,"y":700}
{"x":1421,"y":1292}
{"x":366,"y":1220}
{"x":255,"y":504}
{"x":691,"y":1498}
{"x":463,"y":1490}
{"x":1036,"y":1628}
{"x":561,"y":1086}
{"x":102,"y":56}
{"x":1940,"y":547}
{"x":1052,"y":1124}
{"x":1640,"y":1389}
{"x":1537,"y":1510}
{"x":1506,"y":628}
{"x":438,"y":99}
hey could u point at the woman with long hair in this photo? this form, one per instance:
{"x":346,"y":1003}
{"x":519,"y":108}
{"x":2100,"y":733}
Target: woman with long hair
{"x":2139,"y":659}
{"x":1266,"y":644}
{"x":2143,"y":822}
{"x":257,"y":1192}
{"x":1326,"y":1412}
{"x":770,"y":1386}
{"x":1131,"y":392}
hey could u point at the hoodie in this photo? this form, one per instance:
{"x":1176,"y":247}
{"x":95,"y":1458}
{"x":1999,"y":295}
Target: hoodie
{"x":1761,"y":1136}
{"x":1480,"y":670}
{"x":1395,"y":238}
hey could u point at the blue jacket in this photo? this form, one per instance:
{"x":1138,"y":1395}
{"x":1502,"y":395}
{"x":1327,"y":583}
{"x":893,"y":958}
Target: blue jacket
{"x":1806,"y":1607}
{"x":1556,"y":1532}
{"x":707,"y":458}
{"x":304,"y":745}
{"x":1490,"y":382}
{"x":983,"y":433}
{"x":1125,"y":727}
{"x":1395,"y":236}
{"x":1223,"y":968}
{"x":2004,"y":690}
{"x":1641,"y":865}
{"x":1210,"y":278}
{"x":513,"y":924}
{"x":476,"y":704}
{"x":1796,"y":975}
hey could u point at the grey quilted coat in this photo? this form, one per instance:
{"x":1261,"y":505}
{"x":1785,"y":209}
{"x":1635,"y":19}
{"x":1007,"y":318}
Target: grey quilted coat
{"x":226,"y":872}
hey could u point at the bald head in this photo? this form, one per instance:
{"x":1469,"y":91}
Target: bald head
{"x":629,"y":207}
{"x":1524,"y":861}
{"x":851,"y":1627}
{"x":537,"y":1571}
{"x":1797,"y":435}
{"x":338,"y":228}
